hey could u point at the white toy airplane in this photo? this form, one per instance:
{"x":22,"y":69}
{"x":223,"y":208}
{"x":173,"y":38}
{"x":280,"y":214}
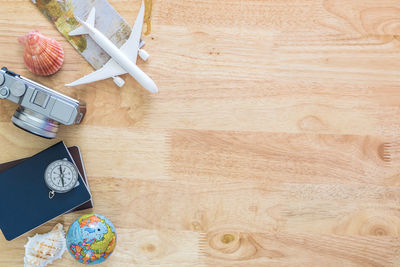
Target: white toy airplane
{"x":123,"y":60}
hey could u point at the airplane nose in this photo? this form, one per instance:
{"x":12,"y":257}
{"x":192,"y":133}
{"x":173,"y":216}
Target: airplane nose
{"x":142,"y":78}
{"x":149,"y":84}
{"x":153,"y":88}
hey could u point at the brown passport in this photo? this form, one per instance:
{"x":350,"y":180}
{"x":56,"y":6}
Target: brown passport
{"x":76,"y":155}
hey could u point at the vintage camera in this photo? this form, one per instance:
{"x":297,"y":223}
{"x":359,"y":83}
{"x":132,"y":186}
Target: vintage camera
{"x":41,"y":110}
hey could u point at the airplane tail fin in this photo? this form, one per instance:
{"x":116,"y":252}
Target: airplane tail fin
{"x":83,"y":29}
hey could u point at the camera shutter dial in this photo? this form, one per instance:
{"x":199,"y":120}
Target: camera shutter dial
{"x":18,"y":88}
{"x":4,"y":92}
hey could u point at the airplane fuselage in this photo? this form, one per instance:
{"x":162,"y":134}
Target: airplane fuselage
{"x":120,"y":58}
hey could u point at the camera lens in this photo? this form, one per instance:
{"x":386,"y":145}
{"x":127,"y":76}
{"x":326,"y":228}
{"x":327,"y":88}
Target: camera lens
{"x":35,"y":123}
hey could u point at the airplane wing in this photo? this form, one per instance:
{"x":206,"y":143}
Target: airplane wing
{"x":130,"y":48}
{"x":110,"y":69}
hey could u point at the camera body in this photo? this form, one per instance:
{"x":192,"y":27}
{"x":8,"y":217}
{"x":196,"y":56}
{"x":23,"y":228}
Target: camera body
{"x":41,"y":110}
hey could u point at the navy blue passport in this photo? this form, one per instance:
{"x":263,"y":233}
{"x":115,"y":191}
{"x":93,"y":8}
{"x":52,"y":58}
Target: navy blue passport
{"x":75,"y":153}
{"x":24,"y":196}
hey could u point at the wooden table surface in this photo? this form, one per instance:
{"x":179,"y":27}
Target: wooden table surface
{"x":274,"y":139}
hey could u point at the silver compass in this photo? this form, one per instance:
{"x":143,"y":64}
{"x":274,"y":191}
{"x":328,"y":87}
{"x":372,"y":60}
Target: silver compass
{"x":60,"y":176}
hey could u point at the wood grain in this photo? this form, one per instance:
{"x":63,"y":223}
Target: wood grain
{"x":274,"y":139}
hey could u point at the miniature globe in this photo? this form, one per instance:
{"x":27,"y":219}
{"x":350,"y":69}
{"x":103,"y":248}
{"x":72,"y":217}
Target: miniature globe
{"x":91,"y":239}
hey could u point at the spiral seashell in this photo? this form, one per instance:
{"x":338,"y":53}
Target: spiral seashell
{"x":43,"y":56}
{"x":43,"y":249}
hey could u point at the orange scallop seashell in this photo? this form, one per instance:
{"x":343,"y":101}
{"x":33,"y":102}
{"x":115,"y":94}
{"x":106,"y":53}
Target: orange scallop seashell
{"x":43,"y":56}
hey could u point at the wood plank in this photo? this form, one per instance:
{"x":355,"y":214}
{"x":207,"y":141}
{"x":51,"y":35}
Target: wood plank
{"x":140,"y":248}
{"x":281,"y":249}
{"x":355,"y":209}
{"x":280,"y":158}
{"x":135,"y":154}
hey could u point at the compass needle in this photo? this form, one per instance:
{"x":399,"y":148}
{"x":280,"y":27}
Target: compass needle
{"x":61,"y":176}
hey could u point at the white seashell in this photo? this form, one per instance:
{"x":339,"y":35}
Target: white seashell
{"x":44,"y":249}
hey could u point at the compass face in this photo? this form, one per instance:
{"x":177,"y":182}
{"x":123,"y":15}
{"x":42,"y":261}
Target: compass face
{"x":61,"y":176}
